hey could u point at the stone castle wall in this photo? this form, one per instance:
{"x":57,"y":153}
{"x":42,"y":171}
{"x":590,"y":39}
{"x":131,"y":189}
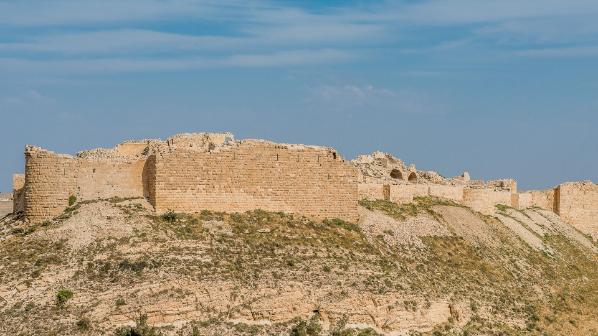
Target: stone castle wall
{"x":404,"y":193}
{"x":485,"y":200}
{"x":543,"y":199}
{"x":50,"y":179}
{"x":105,"y":178}
{"x":256,"y":174}
{"x":194,"y":172}
{"x":577,"y":204}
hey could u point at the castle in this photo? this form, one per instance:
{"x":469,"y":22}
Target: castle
{"x":213,"y":171}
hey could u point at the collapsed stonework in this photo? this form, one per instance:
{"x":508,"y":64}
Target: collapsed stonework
{"x":383,"y":176}
{"x":213,"y":171}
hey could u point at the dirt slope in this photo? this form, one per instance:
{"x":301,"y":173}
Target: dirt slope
{"x":427,"y":268}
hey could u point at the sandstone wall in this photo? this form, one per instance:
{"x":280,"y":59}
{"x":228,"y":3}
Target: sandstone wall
{"x":105,"y":178}
{"x":257,"y":174}
{"x":49,"y":181}
{"x":454,"y":193}
{"x":404,"y":193}
{"x":543,"y":199}
{"x":371,"y":191}
{"x":521,"y":200}
{"x":577,"y":204}
{"x":485,"y":200}
{"x":18,"y":193}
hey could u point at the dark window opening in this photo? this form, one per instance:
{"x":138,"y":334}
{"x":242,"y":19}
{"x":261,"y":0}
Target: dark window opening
{"x":412,"y":177}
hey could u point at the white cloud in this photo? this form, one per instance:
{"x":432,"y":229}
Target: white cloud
{"x":559,"y":52}
{"x":371,"y":99}
{"x":117,"y":65}
{"x":93,"y":36}
{"x":443,"y":12}
{"x":28,"y":97}
{"x":121,"y":41}
{"x":78,"y":12}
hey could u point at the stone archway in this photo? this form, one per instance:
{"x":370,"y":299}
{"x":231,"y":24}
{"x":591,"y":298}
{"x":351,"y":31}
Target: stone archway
{"x":396,"y":174}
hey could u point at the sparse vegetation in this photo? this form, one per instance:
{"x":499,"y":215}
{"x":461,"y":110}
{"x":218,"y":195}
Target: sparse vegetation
{"x":141,"y":328}
{"x":72,"y":200}
{"x":63,"y":296}
{"x":84,"y":324}
{"x":402,"y":211}
{"x":241,"y":256}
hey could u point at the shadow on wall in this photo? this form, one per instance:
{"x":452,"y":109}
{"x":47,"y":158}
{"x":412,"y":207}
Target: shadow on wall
{"x":148,"y":176}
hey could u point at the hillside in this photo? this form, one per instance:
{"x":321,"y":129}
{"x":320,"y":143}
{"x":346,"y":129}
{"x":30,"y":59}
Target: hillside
{"x":431,"y":267}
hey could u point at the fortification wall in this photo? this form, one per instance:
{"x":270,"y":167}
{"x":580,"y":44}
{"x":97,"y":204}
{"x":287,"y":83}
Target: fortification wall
{"x":521,"y":200}
{"x":577,"y":204}
{"x":404,"y":193}
{"x":454,"y":193}
{"x":109,"y":178}
{"x":18,"y":193}
{"x":485,"y":200}
{"x":371,"y":191}
{"x":255,"y":174}
{"x":543,"y":199}
{"x":49,"y":181}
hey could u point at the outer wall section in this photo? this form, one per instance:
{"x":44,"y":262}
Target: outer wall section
{"x":578,"y":205}
{"x":258,"y":175}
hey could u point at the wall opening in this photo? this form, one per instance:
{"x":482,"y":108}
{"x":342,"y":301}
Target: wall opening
{"x":412,"y":177}
{"x":396,"y":174}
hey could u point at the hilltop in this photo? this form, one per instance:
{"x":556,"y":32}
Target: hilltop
{"x":429,"y":267}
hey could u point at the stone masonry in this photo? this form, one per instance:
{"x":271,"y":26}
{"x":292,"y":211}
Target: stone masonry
{"x":194,"y":172}
{"x":213,"y":171}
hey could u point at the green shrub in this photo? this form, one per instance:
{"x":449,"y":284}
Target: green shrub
{"x":72,"y":200}
{"x":341,"y":224}
{"x":84,"y":324}
{"x":310,"y":328}
{"x":63,"y":296}
{"x":120,"y":302}
{"x":140,"y":329}
{"x":170,"y":216}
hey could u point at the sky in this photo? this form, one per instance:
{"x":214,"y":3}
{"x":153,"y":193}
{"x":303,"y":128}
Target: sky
{"x":501,"y":89}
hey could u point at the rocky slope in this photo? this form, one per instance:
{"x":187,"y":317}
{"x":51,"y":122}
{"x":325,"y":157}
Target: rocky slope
{"x":429,"y":268}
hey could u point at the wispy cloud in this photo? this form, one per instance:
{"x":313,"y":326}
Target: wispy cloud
{"x":30,"y":13}
{"x":559,"y":52}
{"x":117,"y":65}
{"x":134,"y":35}
{"x":354,"y":98}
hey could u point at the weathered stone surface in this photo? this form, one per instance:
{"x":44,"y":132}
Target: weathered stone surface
{"x":194,"y":172}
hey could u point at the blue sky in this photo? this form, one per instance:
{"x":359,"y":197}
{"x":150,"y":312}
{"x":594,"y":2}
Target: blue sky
{"x":498,"y":88}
